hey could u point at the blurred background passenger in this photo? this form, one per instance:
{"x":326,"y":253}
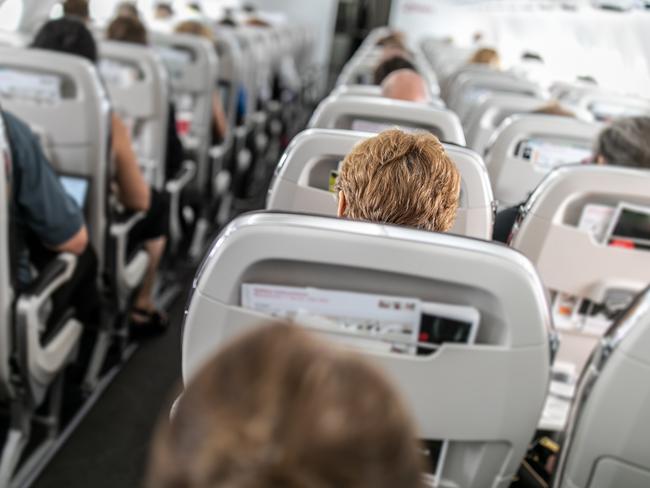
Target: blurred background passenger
{"x":279,"y":408}
{"x":77,"y":8}
{"x":554,"y":108}
{"x":219,"y":120}
{"x":486,"y":56}
{"x":407,"y":85}
{"x":399,"y":178}
{"x":127,"y":9}
{"x":70,"y":36}
{"x":624,"y":142}
{"x":388,"y":65}
{"x":129,"y":29}
{"x":163,"y":11}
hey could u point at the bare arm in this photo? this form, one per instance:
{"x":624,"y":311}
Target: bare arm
{"x":134,"y":192}
{"x":76,"y":244}
{"x":219,"y":117}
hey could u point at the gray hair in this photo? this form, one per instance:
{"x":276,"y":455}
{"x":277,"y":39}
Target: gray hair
{"x":626,"y":142}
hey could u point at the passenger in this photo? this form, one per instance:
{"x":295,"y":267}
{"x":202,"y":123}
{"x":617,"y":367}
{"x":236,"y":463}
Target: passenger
{"x":486,"y":56}
{"x":72,"y":37}
{"x":127,"y":9}
{"x":389,"y":65}
{"x":400,"y":178}
{"x":406,"y":84}
{"x":128,"y":29}
{"x":279,"y":408}
{"x":48,"y":222}
{"x":163,"y":11}
{"x":77,"y":8}
{"x":554,"y":108}
{"x":219,"y":120}
{"x":624,"y":143}
{"x":393,"y":40}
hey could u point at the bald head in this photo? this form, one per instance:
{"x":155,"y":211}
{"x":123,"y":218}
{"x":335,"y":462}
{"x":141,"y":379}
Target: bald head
{"x":405,"y":84}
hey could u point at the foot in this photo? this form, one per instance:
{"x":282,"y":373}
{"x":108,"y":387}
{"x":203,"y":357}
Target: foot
{"x":147,"y":323}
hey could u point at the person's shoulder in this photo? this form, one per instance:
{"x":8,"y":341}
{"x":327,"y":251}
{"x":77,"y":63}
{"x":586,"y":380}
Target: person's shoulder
{"x":14,"y":124}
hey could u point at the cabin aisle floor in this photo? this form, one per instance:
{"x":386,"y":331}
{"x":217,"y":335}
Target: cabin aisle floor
{"x":110,"y":447}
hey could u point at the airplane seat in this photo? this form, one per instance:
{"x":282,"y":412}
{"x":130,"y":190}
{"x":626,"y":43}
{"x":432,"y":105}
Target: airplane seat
{"x":138,"y":88}
{"x":374,"y":91}
{"x":193,"y":66}
{"x":526,"y":147}
{"x":607,"y":106}
{"x":607,"y":438}
{"x":568,"y":225}
{"x":302,"y":179}
{"x":459,"y":395}
{"x":471,"y":87}
{"x":30,"y":369}
{"x":376,"y":114}
{"x":491,"y":112}
{"x":46,"y":88}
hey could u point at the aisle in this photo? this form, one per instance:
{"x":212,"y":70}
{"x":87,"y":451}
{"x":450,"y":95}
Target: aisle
{"x":110,"y":447}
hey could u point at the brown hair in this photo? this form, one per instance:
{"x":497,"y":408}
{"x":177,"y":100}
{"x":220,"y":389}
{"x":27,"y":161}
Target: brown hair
{"x":127,"y":29}
{"x":195,"y":28}
{"x":76,"y":8}
{"x":394,"y":40}
{"x":400,"y":178}
{"x":554,"y":108}
{"x":128,"y":9}
{"x":486,"y":55}
{"x":277,"y":408}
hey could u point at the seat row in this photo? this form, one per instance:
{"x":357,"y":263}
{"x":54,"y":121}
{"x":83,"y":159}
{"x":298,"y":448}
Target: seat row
{"x":481,"y":399}
{"x":68,"y":104}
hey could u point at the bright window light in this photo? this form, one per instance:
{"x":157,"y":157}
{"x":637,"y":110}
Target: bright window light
{"x":11,"y":13}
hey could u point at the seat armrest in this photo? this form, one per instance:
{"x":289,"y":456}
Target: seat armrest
{"x":40,"y":363}
{"x":175,"y":188}
{"x":129,"y":274}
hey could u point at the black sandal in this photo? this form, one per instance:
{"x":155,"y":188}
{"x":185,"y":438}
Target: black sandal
{"x":155,"y":324}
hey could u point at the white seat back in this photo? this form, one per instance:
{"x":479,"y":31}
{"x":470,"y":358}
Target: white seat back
{"x":460,"y":393}
{"x":63,"y":97}
{"x":514,"y":171}
{"x":471,"y":87}
{"x":6,"y":290}
{"x":549,"y":235}
{"x":137,"y":84}
{"x":607,"y":437}
{"x":488,"y":115}
{"x":373,"y":91}
{"x":230,"y":78}
{"x":193,"y":69}
{"x":301,"y":182}
{"x":361,"y":112}
{"x":605,"y":105}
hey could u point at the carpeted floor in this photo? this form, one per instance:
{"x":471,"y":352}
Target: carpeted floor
{"x":110,"y":447}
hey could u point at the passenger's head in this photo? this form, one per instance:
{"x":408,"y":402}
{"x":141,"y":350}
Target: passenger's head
{"x":393,"y":40}
{"x":127,"y":9}
{"x":278,"y":408}
{"x":163,"y":10}
{"x":400,"y":178}
{"x":195,"y":28}
{"x":76,"y":8}
{"x":67,"y":35}
{"x":487,"y":56}
{"x":625,"y":142}
{"x":405,"y":84}
{"x":554,"y":108}
{"x":127,"y":29}
{"x":389,"y":65}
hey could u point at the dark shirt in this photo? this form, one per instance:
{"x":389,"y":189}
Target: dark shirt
{"x":175,"y":154}
{"x":504,"y":224}
{"x":40,"y":204}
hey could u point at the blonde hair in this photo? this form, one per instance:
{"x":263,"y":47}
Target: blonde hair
{"x":279,"y":408}
{"x":486,"y":55}
{"x":195,"y":28}
{"x":554,"y":108}
{"x":403,"y":179}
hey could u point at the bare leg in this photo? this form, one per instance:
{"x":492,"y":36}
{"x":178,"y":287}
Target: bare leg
{"x":155,"y":248}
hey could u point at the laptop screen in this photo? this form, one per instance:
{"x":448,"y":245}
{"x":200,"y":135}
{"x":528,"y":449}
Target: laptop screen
{"x":76,"y":187}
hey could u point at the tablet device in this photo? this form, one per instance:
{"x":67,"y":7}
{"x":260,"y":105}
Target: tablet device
{"x":630,"y":227}
{"x":441,"y":322}
{"x":77,"y":188}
